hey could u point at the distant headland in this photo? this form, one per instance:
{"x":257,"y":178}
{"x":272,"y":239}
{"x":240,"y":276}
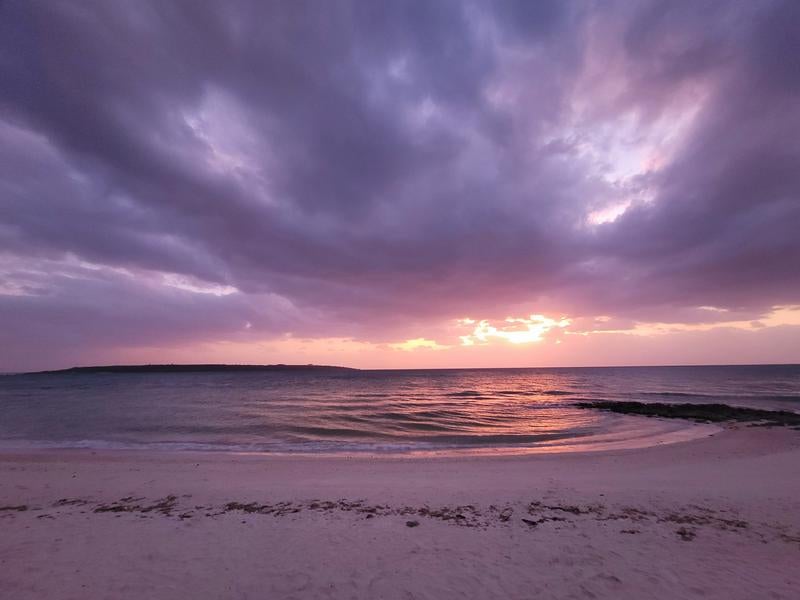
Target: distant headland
{"x":201,"y":368}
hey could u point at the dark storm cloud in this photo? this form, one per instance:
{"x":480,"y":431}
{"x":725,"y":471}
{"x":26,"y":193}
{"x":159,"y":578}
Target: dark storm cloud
{"x":722,"y":229}
{"x":376,"y":164}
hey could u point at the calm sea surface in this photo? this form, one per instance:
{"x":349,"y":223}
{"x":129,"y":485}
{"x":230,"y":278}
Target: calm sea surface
{"x":369,"y":411}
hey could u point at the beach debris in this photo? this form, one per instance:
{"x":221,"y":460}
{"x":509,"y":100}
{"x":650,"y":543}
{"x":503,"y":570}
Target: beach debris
{"x":539,"y":507}
{"x":690,"y":518}
{"x":630,"y":513}
{"x":790,"y":539}
{"x":115,"y":508}
{"x":541,"y":520}
{"x":251,"y":507}
{"x":575,"y":510}
{"x":70,"y":502}
{"x":165,"y":506}
{"x":466,"y":515}
{"x":704,"y":519}
{"x":278,"y":509}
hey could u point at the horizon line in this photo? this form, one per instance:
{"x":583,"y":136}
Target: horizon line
{"x":344,"y":367}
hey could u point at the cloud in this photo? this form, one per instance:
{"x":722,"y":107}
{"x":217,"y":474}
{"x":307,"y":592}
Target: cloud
{"x":515,"y":330}
{"x":370,"y":172}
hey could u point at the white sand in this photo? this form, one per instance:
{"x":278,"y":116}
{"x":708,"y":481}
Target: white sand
{"x":711,"y":518}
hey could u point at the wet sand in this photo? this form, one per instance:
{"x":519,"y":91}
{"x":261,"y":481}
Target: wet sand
{"x":717,"y":517}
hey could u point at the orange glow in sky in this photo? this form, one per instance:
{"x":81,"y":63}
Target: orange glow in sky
{"x":536,"y":340}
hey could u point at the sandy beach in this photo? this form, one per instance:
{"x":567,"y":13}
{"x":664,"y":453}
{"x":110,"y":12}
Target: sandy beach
{"x":717,"y":517}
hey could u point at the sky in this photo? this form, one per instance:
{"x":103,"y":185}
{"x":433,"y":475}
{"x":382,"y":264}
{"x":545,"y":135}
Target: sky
{"x":399,"y":184}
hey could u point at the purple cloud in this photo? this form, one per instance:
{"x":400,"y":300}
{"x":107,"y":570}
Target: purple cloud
{"x":368,"y":171}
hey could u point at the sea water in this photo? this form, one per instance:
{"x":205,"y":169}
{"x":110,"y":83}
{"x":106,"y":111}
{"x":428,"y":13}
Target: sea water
{"x":379,"y":412}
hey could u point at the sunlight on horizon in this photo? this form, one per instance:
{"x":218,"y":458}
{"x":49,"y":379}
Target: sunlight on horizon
{"x":516,"y":330}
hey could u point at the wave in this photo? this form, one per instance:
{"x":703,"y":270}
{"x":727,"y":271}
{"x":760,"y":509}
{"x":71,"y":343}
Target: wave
{"x":252,"y":429}
{"x":335,"y":432}
{"x":399,"y":446}
{"x":619,"y":433}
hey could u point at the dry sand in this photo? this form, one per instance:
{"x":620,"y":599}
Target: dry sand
{"x":712,"y":518}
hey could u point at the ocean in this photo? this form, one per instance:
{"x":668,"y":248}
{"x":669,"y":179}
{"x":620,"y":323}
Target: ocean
{"x":372,"y":412}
